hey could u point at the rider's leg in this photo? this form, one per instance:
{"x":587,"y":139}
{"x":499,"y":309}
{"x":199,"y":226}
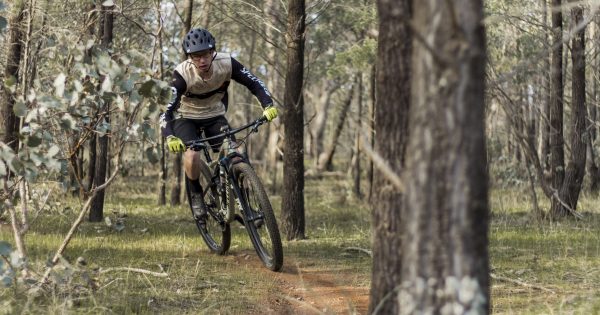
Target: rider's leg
{"x":186,"y":130}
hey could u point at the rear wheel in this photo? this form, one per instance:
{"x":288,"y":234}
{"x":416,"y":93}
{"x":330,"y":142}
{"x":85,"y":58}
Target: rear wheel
{"x":259,"y":218}
{"x":215,"y":231}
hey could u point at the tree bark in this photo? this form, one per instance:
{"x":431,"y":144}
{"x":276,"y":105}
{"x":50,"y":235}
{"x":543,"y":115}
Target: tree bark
{"x":358,"y":134}
{"x":545,"y":113}
{"x":293,"y":160}
{"x":391,"y":135}
{"x":11,"y":70}
{"x":326,"y":158}
{"x":177,"y":160}
{"x":557,"y":160}
{"x":97,"y":206}
{"x":592,"y":167}
{"x":445,"y":216}
{"x":575,"y":170}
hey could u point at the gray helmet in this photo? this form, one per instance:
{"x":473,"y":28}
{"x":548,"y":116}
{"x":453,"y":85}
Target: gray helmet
{"x":198,"y":39}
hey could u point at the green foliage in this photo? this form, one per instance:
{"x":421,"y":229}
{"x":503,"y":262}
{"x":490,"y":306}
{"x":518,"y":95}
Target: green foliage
{"x":3,"y":21}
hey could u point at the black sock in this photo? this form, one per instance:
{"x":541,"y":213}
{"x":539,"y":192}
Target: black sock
{"x":194,"y":186}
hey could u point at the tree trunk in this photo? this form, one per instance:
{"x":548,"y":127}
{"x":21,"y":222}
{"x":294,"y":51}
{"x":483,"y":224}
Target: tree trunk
{"x":326,"y":158}
{"x":370,"y":167}
{"x":358,"y":134}
{"x":571,"y":186}
{"x":592,"y":167}
{"x":97,"y":206}
{"x":293,"y":160}
{"x":11,"y":70}
{"x":162,"y":174}
{"x":177,"y":160}
{"x":445,"y":216}
{"x":391,"y":134}
{"x":545,"y":113}
{"x":557,"y":159}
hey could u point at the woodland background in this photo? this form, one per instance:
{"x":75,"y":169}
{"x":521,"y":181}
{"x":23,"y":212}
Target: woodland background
{"x":408,"y":115}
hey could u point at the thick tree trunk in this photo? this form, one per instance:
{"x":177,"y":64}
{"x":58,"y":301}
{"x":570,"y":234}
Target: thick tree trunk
{"x":293,"y":160}
{"x":97,"y":206}
{"x":13,"y":59}
{"x":391,"y":136}
{"x":571,"y":186}
{"x":445,"y":216}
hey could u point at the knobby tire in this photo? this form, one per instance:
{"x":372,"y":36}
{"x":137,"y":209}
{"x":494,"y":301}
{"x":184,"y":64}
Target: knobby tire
{"x":255,"y":203}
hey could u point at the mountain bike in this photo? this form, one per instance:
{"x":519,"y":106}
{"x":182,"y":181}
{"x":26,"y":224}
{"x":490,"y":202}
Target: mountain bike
{"x":229,"y":183}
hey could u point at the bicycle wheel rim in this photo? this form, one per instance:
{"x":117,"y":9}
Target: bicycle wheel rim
{"x":215,"y":232}
{"x":265,"y":237}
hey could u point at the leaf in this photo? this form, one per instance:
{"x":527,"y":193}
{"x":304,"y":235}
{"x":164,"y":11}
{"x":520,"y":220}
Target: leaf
{"x":20,"y":109}
{"x":3,"y":23}
{"x":5,"y":248}
{"x":151,"y":155}
{"x":146,"y":88}
{"x":59,"y":85}
{"x":33,"y":141}
{"x":119,"y":226}
{"x":52,"y":151}
{"x":67,"y":122}
{"x":2,"y":170}
{"x":106,"y":84}
{"x":10,"y":81}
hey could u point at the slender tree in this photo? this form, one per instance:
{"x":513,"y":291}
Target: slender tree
{"x":572,"y":175}
{"x":391,"y":133}
{"x":97,"y":207}
{"x":293,"y":160}
{"x":177,"y":160}
{"x":11,"y":72}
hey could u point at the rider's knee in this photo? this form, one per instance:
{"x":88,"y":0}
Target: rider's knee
{"x":190,"y":161}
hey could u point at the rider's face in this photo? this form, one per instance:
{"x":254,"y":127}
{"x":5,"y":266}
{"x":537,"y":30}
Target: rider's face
{"x":202,"y":59}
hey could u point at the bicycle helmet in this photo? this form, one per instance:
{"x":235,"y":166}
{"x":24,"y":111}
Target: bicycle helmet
{"x":198,"y":39}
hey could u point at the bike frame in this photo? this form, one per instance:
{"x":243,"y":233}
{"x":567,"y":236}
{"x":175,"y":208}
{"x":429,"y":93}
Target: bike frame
{"x":227,"y":158}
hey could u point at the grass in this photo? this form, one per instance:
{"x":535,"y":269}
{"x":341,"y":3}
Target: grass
{"x":541,"y":268}
{"x":165,"y":237}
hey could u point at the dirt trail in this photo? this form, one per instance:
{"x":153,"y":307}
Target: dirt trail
{"x":309,"y":290}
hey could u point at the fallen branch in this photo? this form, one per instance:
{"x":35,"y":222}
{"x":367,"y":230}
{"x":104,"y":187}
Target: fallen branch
{"x":521,"y":283}
{"x":138,"y":270}
{"x":358,"y":249}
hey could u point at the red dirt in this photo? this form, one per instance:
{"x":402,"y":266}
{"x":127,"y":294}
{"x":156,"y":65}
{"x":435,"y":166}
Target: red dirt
{"x":310,"y":290}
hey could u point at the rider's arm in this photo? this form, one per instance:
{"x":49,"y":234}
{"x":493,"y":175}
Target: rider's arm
{"x":178,"y":87}
{"x":243,"y":76}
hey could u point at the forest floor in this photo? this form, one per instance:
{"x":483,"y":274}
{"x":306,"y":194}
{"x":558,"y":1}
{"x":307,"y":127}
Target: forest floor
{"x":537,"y":267}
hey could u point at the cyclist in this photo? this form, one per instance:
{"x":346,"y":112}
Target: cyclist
{"x":199,"y":100}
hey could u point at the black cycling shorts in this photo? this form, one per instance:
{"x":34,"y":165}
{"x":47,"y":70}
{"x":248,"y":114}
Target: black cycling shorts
{"x":191,"y":129}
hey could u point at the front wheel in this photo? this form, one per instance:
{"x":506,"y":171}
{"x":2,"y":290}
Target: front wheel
{"x":259,"y":218}
{"x":215,"y":231}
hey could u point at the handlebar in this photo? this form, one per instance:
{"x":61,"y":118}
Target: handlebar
{"x":200,"y":143}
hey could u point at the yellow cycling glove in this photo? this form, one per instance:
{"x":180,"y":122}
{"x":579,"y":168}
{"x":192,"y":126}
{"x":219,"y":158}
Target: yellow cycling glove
{"x":270,"y":113}
{"x":175,"y":144}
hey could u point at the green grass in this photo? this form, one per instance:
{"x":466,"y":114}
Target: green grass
{"x":553,"y":268}
{"x":198,"y":282}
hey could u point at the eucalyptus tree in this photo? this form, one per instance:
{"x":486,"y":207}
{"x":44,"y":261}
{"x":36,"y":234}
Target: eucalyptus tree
{"x":292,"y":204}
{"x":445,"y":211}
{"x":393,"y":103}
{"x":10,"y":121}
